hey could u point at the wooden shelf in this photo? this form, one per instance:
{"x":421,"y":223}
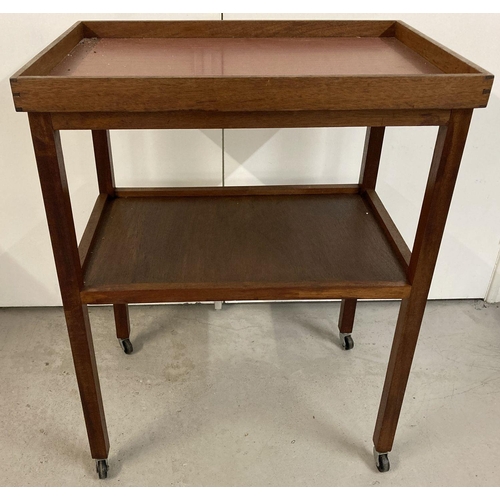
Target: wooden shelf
{"x":234,"y":247}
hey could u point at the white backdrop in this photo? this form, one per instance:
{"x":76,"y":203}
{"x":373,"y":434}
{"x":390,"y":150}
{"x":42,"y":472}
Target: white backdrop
{"x":471,"y":243}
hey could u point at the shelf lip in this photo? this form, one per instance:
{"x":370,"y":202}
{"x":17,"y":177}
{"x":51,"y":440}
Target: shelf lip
{"x":88,"y":236}
{"x":197,"y":292}
{"x":267,"y":190}
{"x":390,"y":229}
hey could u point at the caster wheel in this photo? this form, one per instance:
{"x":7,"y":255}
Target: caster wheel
{"x":102,"y":468}
{"x":126,"y":345}
{"x":347,"y":342}
{"x":382,"y":462}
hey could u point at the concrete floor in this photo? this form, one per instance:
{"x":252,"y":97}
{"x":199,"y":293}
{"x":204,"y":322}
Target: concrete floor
{"x":253,"y":395}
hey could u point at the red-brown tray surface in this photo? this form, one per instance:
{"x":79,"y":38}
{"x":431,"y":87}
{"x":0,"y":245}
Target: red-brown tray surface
{"x":188,"y":57}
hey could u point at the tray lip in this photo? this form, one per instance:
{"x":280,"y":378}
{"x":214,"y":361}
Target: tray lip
{"x":76,"y":28}
{"x":23,"y":82}
{"x":473,"y":66}
{"x":82,"y":29}
{"x":117,"y":94}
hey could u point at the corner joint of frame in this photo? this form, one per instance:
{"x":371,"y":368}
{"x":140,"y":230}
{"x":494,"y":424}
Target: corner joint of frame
{"x":88,"y":32}
{"x":391,"y":30}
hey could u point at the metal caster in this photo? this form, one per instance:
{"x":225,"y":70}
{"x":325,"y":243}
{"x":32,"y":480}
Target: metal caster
{"x":102,"y":468}
{"x":126,"y":345}
{"x":381,"y":461}
{"x":347,"y":342}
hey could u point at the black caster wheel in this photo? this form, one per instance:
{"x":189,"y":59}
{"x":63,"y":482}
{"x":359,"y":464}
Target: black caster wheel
{"x":382,"y":461}
{"x":126,"y":345}
{"x":102,"y":468}
{"x":347,"y":342}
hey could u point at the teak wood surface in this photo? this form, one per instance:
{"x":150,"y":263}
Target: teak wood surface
{"x":243,"y":244}
{"x":262,"y":242}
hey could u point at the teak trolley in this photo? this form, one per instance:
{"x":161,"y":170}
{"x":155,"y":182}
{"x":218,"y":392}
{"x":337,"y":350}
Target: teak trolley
{"x":238,"y":243}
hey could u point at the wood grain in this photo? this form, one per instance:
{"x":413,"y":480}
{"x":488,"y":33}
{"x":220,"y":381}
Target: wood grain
{"x":90,"y":230}
{"x":347,"y":313}
{"x":439,"y":55}
{"x":238,"y":247}
{"x":390,"y":229}
{"x":104,"y":162}
{"x":239,"y":190}
{"x":122,"y":321}
{"x":44,"y":61}
{"x":444,"y":169}
{"x":371,"y":158}
{"x":53,"y":94}
{"x":249,"y":119}
{"x":55,"y":192}
{"x":236,"y":29}
{"x":197,"y":292}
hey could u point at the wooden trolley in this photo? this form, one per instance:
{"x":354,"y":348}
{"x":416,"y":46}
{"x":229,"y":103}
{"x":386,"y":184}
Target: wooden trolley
{"x":239,"y":243}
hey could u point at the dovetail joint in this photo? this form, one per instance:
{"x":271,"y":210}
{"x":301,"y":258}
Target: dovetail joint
{"x":486,"y":91}
{"x":19,"y":109}
{"x":17,"y":94}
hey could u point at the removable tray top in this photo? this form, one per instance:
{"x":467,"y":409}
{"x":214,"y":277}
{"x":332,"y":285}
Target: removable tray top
{"x":148,"y":66}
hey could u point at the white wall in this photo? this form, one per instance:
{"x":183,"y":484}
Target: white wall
{"x":471,"y":242}
{"x":472,"y":236}
{"x":189,"y":157}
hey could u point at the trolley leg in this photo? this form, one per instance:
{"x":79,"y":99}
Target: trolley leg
{"x":371,"y":158}
{"x":443,"y":173}
{"x":48,"y":152}
{"x":106,"y":182}
{"x":122,"y":323}
{"x":346,"y":322}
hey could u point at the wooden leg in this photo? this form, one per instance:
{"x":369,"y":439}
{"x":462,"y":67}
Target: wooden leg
{"x":347,"y":312}
{"x":55,"y":192}
{"x":346,"y":322}
{"x":444,"y":169}
{"x":122,"y":321}
{"x":106,"y":182}
{"x":371,"y":157}
{"x":103,"y":162}
{"x":367,"y":180}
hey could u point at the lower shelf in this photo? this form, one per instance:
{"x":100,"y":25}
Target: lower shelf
{"x":245,"y":247}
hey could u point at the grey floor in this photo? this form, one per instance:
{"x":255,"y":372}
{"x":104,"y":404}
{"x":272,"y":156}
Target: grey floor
{"x":253,"y":395}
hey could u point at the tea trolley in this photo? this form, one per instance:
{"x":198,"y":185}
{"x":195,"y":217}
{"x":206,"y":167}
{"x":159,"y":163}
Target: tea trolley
{"x":250,"y":242}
